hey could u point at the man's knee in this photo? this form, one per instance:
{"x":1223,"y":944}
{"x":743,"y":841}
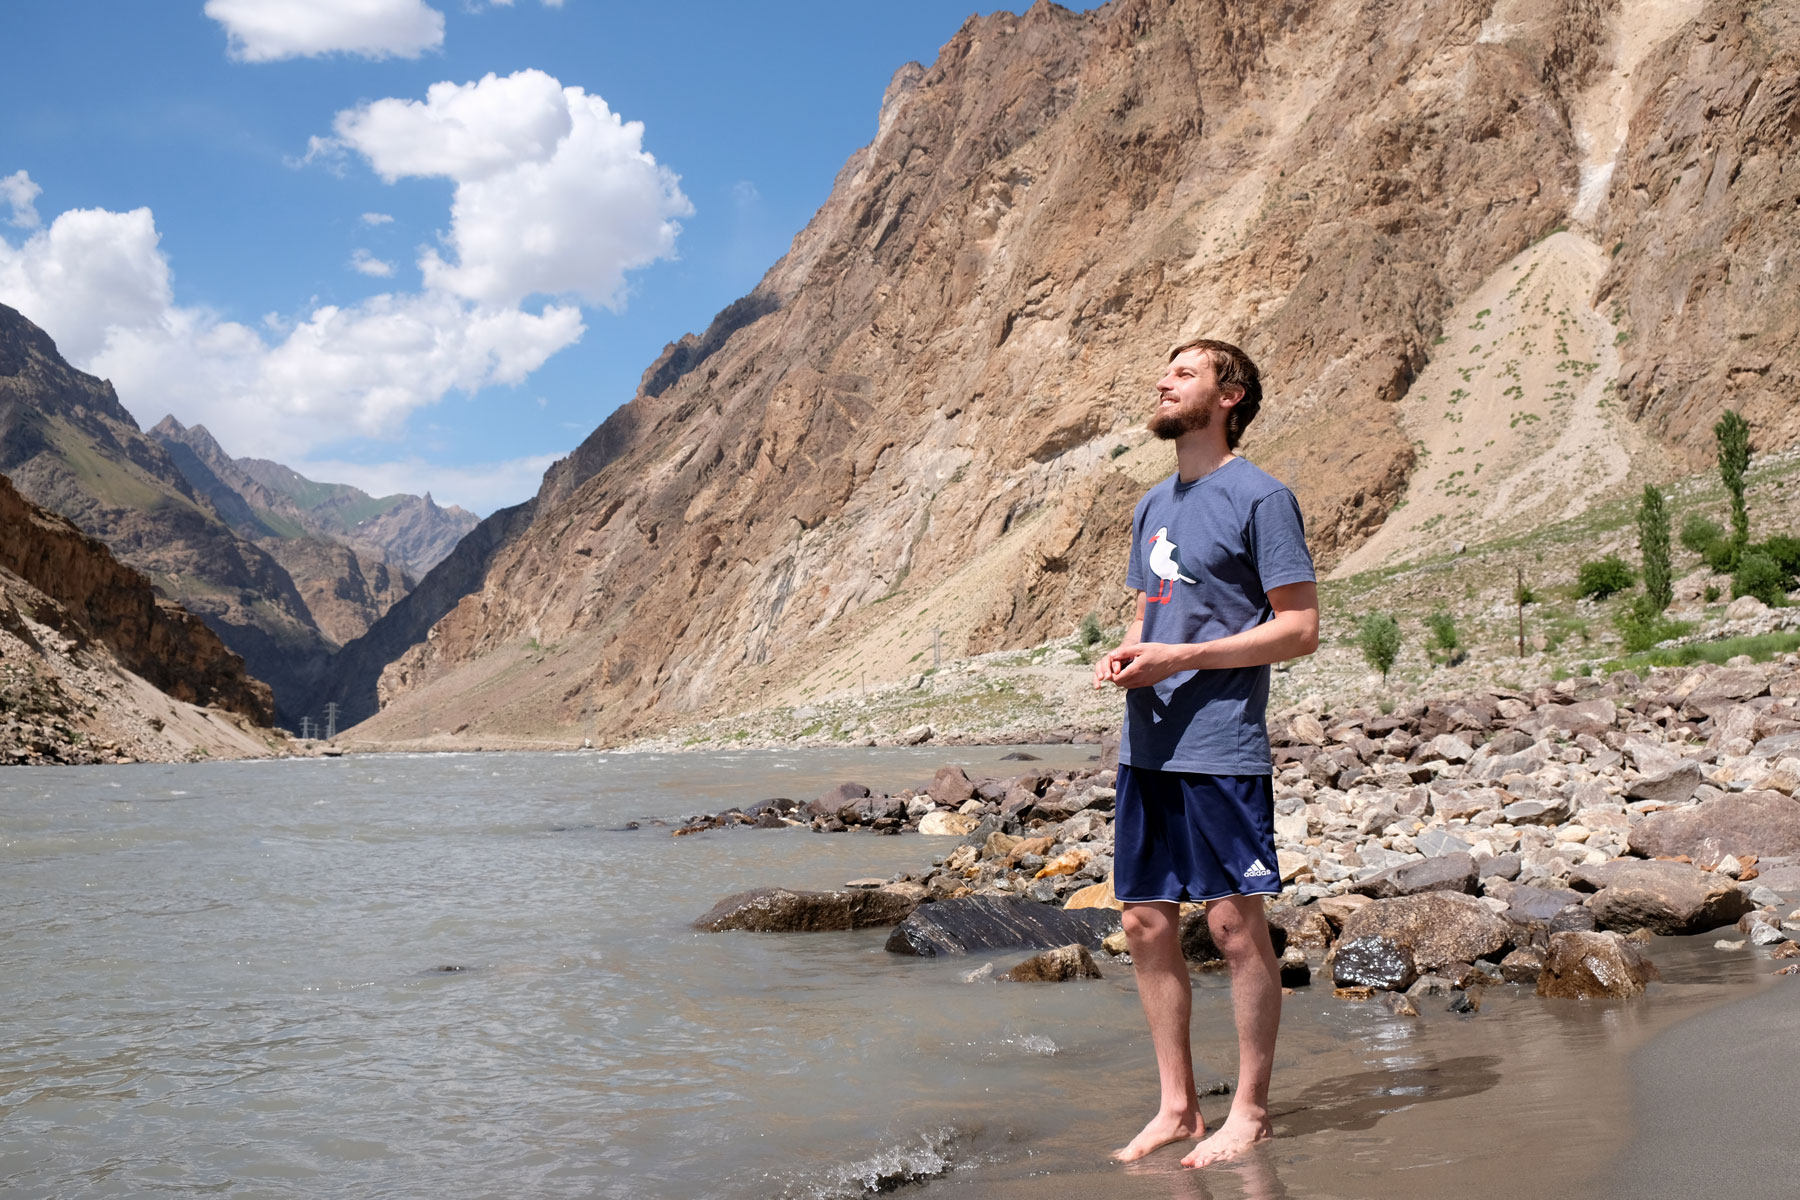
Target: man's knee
{"x":1145,"y":921}
{"x":1239,"y":929}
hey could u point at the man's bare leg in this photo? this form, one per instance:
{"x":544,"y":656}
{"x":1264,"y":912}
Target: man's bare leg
{"x":1154,"y":933}
{"x":1241,"y":931}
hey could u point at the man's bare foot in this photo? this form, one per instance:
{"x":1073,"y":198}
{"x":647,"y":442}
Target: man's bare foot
{"x":1234,"y":1137}
{"x":1162,"y":1129}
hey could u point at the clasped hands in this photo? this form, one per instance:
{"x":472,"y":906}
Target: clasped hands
{"x":1139,"y":664}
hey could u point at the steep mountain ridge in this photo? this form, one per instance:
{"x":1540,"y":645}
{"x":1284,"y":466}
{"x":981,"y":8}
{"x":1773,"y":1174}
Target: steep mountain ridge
{"x":927,"y":416}
{"x":69,"y":445}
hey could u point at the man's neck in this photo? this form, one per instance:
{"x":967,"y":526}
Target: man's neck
{"x":1200,"y":453}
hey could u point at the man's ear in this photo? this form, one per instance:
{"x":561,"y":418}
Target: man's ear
{"x":1230,"y":395}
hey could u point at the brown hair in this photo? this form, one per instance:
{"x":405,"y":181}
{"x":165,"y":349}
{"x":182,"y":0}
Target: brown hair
{"x":1233,"y":369}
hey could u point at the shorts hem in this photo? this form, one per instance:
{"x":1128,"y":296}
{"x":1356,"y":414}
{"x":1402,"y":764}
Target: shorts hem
{"x":1199,"y":900}
{"x":1265,"y":770}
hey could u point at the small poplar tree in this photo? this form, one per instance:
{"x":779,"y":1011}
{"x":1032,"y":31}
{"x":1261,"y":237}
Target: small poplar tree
{"x":1653,"y":548}
{"x":1379,"y":640}
{"x":1733,"y":434}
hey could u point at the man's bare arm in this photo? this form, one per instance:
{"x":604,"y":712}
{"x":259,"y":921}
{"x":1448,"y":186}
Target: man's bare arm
{"x":1291,"y":633}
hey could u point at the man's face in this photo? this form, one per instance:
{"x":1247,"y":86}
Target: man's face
{"x":1187,"y":395}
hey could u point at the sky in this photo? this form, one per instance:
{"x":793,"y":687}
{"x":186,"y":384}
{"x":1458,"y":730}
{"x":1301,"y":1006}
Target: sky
{"x":417,"y":245}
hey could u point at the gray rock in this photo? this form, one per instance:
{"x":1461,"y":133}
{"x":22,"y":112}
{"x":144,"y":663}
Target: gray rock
{"x":1428,"y":986}
{"x":1453,"y":872}
{"x":1667,"y":787}
{"x":1587,"y":966}
{"x":778,"y":910}
{"x":1666,"y":898}
{"x":1501,"y":866}
{"x":1763,"y":823}
{"x":1551,"y":811}
{"x":1435,"y":843}
{"x":950,"y":787}
{"x":1060,"y":965}
{"x":1373,"y":962}
{"x":833,"y":803}
{"x":1526,"y":903}
{"x":969,"y":924}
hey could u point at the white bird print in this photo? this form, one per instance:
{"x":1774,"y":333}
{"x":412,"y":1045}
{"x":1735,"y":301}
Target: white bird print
{"x":1166,"y":565}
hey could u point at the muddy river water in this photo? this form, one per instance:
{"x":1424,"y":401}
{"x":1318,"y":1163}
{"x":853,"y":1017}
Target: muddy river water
{"x":230,"y":978}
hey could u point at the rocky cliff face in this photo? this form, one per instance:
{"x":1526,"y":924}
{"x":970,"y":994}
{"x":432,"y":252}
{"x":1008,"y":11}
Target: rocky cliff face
{"x":926,"y":419}
{"x":69,"y":609}
{"x":68,"y":445}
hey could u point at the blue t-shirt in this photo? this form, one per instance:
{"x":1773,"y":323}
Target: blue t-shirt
{"x":1205,"y":555}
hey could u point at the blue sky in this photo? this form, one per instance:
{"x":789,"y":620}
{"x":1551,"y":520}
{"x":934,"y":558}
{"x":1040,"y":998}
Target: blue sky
{"x":318,"y":228}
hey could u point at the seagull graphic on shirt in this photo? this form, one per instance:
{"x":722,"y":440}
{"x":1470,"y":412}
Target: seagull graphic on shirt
{"x":1166,"y":565}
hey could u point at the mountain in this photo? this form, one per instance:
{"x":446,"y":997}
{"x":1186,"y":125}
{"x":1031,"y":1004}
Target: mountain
{"x":924,"y":424}
{"x":346,"y":582}
{"x":68,"y":445}
{"x":97,"y":667}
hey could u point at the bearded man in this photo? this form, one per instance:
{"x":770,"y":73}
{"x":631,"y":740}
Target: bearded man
{"x":1225,"y":587}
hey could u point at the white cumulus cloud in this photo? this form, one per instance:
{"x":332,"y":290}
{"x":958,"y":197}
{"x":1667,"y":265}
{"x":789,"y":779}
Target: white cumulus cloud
{"x":375,"y":218}
{"x":20,"y":194}
{"x":269,"y":30}
{"x":97,"y":281}
{"x":555,"y":194}
{"x":364,"y":262}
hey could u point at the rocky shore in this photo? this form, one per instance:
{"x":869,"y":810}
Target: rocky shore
{"x":1537,"y":838}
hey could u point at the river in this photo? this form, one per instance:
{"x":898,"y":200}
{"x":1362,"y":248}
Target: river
{"x":462,"y":975}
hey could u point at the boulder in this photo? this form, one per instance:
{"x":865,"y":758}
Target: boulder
{"x":1373,"y":962}
{"x":1671,"y":786}
{"x":951,"y":787}
{"x":1666,"y":898}
{"x":832,"y":803}
{"x":1337,"y":909}
{"x":1527,"y":903}
{"x":1306,"y":928}
{"x":969,"y":924}
{"x":1590,"y":966}
{"x":778,"y":910}
{"x":1453,"y":872}
{"x":1763,"y":823}
{"x":1056,"y":966}
{"x":1098,"y":895}
{"x":1437,"y":927}
{"x":947,"y":824}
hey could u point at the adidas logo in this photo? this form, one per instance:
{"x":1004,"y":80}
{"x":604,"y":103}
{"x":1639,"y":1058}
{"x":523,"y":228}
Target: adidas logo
{"x":1257,"y":870}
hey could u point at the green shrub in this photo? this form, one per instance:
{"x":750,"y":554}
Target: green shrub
{"x":1120,"y":449}
{"x":1784,"y":550}
{"x":1642,"y":626}
{"x":1712,"y":592}
{"x":1721,"y":556}
{"x":1379,"y":639}
{"x":1090,"y":630}
{"x":1697,"y":533}
{"x":1446,"y":644}
{"x":1761,"y":576}
{"x":1603,"y":577}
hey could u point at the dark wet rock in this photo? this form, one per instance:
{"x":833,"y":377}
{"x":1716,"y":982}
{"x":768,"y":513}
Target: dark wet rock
{"x":1056,"y":966}
{"x":1197,"y":944}
{"x":1466,"y":1002}
{"x":1588,"y":966}
{"x":1666,"y":898}
{"x":1296,"y":972}
{"x":973,"y":923}
{"x":1671,"y":786}
{"x":1523,"y":965}
{"x":1428,"y":986}
{"x":1447,"y":873}
{"x":1763,"y":823}
{"x":1019,"y":756}
{"x":1438,"y":927}
{"x":770,"y":819}
{"x":778,"y":910}
{"x":951,"y":787}
{"x":1400,"y":1004}
{"x":1373,"y":962}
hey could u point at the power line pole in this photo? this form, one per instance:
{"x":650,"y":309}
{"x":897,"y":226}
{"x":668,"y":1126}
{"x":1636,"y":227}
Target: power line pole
{"x":305,"y":729}
{"x":331,"y":711}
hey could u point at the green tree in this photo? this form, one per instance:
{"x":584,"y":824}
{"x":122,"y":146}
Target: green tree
{"x":1379,"y":640}
{"x":1761,"y":576}
{"x":1602,"y":577}
{"x":1733,"y":434}
{"x":1446,"y":643}
{"x":1653,"y":548}
{"x":1090,"y":630}
{"x":1697,"y":533}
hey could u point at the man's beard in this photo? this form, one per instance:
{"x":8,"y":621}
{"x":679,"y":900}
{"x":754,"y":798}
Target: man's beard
{"x":1170,"y":425}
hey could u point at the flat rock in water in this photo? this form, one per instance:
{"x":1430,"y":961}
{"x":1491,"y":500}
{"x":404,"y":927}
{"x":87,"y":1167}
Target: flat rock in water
{"x":1763,"y":823}
{"x":1056,"y":966}
{"x":974,"y":923}
{"x":1439,"y":928}
{"x":1373,"y":962}
{"x":778,"y":910}
{"x":1453,"y":872}
{"x":1666,"y":898}
{"x":1590,"y":966}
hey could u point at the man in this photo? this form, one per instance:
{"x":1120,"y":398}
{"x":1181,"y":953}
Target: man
{"x":1225,"y":587}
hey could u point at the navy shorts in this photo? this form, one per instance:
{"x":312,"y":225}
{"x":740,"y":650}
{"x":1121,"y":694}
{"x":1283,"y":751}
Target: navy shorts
{"x":1183,"y":836}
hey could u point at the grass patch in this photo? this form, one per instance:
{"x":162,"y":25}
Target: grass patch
{"x":1761,"y":647}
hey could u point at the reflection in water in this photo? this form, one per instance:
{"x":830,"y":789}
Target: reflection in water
{"x":1359,"y":1101}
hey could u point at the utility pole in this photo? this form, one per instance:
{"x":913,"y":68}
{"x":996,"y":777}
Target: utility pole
{"x":306,"y":729}
{"x":1519,"y":597}
{"x":330,"y":719}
